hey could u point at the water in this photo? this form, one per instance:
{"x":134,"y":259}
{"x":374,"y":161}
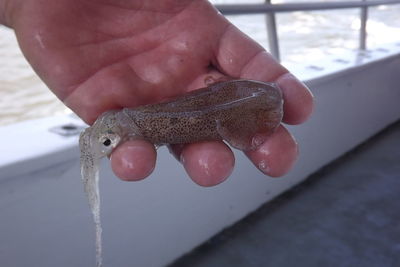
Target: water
{"x":23,"y":95}
{"x":310,"y":36}
{"x":303,"y":37}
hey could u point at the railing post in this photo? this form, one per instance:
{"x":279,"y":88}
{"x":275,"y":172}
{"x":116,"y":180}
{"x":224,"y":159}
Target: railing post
{"x":363,"y":27}
{"x":272,"y":34}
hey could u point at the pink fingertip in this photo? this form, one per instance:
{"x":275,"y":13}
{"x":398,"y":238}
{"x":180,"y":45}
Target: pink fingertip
{"x":134,"y":160}
{"x":299,"y":101}
{"x":208,"y":163}
{"x":277,"y":155}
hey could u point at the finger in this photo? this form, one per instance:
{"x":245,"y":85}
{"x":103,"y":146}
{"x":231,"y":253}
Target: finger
{"x":239,"y":56}
{"x":133,"y":160}
{"x":207,"y":163}
{"x":176,"y":150}
{"x":277,"y":154}
{"x":207,"y":78}
{"x":299,"y":101}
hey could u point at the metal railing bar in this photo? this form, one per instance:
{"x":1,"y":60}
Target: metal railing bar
{"x":273,"y":40}
{"x":270,"y":9}
{"x":363,"y":28}
{"x":238,"y":9}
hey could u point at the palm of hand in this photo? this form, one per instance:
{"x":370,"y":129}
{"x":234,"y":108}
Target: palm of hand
{"x":97,"y":57}
{"x":101,"y":55}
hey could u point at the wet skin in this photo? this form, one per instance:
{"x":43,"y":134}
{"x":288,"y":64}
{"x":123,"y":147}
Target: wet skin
{"x":102,"y":55}
{"x":241,"y":112}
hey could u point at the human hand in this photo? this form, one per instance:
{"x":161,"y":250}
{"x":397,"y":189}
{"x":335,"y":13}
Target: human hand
{"x":101,"y":55}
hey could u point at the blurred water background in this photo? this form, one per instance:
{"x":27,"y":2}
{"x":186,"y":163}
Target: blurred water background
{"x":303,"y":37}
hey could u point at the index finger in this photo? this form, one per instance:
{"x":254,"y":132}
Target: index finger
{"x":238,"y":55}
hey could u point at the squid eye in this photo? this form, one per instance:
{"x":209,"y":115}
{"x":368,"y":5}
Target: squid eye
{"x":107,"y":142}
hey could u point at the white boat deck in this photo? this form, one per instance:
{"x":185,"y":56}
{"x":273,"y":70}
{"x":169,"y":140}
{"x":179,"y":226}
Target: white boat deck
{"x":46,"y":222}
{"x":346,"y":214}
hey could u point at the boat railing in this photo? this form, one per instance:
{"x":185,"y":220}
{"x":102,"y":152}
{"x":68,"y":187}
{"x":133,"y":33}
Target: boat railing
{"x":271,"y":9}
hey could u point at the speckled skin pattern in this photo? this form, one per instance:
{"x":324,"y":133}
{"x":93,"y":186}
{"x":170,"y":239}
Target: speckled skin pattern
{"x":233,"y":110}
{"x":241,"y":112}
